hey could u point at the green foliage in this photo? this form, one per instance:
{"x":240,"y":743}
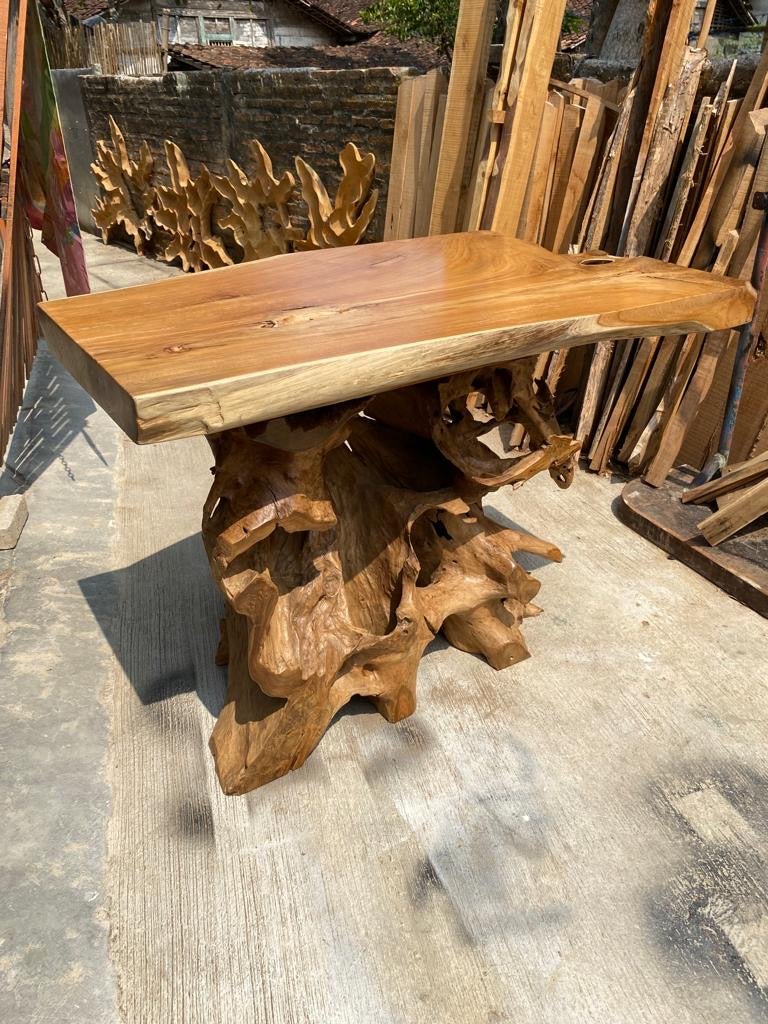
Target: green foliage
{"x":434,"y":20}
{"x":573,"y":23}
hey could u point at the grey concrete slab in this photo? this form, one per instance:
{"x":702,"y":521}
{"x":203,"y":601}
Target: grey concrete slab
{"x":534,"y":845}
{"x":55,"y":667}
{"x":125,"y":273}
{"x":99,"y":254}
{"x":109,"y":266}
{"x":55,"y":671}
{"x":581,"y":838}
{"x":13,"y":516}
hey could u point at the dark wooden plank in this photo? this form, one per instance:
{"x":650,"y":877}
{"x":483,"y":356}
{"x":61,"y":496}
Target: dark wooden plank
{"x":739,"y":566}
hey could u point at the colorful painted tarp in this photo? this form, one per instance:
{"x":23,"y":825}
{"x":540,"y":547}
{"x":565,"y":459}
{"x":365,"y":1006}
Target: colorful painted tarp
{"x":44,"y":179}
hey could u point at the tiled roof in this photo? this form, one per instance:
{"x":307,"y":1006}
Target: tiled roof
{"x":378,"y":51}
{"x":82,"y":9}
{"x":348,"y":12}
{"x":579,"y":13}
{"x":581,"y":8}
{"x":336,"y":16}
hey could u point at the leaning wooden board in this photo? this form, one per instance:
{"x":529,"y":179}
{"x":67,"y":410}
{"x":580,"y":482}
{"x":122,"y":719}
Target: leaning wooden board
{"x":196,"y":355}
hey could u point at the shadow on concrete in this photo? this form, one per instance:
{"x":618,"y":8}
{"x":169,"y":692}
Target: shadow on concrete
{"x":356,"y":706}
{"x":160,"y":617}
{"x":528,"y":561}
{"x":54,"y":412}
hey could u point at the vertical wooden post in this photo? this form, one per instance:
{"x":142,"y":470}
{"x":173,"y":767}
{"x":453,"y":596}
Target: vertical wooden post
{"x":527,"y":97}
{"x":466,"y":91}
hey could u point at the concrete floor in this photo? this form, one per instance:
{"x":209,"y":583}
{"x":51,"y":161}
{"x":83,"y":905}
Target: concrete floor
{"x":581,"y":838}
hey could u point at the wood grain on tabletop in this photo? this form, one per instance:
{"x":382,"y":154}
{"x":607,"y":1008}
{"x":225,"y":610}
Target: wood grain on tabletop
{"x":203,"y":353}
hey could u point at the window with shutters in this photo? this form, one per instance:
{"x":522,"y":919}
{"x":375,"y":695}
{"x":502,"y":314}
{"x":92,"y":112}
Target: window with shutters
{"x":250,"y":32}
{"x":217,"y":31}
{"x":221,"y":30}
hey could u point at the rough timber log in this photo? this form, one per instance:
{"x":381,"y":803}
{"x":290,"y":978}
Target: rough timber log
{"x":347,"y":395}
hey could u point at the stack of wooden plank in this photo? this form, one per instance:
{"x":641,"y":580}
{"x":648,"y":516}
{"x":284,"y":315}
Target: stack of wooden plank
{"x":419,"y":120}
{"x":683,"y":191}
{"x":19,"y":283}
{"x":653,"y":168}
{"x":741,"y":496}
{"x":450,"y":170}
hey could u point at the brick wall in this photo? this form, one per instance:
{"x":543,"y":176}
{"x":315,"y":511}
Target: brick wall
{"x":293,"y":112}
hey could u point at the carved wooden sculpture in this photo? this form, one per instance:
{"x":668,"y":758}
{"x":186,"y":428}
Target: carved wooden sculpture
{"x":257,"y":208}
{"x":184,"y":209}
{"x":258,"y":214}
{"x":346,"y":530}
{"x":369,"y":533}
{"x":345,"y":220}
{"x":128,"y":191}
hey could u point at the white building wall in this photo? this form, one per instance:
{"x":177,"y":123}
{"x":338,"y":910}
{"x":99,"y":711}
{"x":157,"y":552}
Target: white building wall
{"x":265,"y":23}
{"x":291,"y":29}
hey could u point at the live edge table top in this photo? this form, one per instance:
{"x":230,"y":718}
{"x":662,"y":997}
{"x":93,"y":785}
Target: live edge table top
{"x":203,"y":353}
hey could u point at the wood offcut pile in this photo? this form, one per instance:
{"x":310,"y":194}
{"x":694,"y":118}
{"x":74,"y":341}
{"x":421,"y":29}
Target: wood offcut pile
{"x":740,"y":496}
{"x":651,"y":168}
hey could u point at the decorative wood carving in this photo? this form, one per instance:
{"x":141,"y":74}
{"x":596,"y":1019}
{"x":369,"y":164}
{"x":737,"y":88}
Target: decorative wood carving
{"x":185,"y":211}
{"x":128,"y":191}
{"x":345,"y":220}
{"x":258,"y":214}
{"x":344,"y":543}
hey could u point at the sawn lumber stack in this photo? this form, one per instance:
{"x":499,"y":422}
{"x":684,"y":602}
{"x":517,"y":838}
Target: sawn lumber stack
{"x":648,"y":168}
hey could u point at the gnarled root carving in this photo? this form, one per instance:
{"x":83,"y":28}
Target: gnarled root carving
{"x":182,"y":220}
{"x":344,"y":543}
{"x":345,"y":220}
{"x":185,"y":211}
{"x":258,"y":214}
{"x":127,"y":190}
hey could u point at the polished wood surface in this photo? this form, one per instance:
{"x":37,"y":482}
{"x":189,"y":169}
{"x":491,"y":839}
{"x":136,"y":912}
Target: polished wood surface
{"x":201,"y":354}
{"x":342,"y":543}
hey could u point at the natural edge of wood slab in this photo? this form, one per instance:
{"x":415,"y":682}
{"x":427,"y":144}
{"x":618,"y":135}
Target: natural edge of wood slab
{"x":91,"y":376}
{"x":230,"y":402}
{"x":354,"y":323}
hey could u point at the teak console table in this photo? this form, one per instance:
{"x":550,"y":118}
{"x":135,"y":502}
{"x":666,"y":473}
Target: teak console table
{"x":345,"y":394}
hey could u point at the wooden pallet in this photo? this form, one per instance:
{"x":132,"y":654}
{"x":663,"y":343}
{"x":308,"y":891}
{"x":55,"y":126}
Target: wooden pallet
{"x":738,"y":566}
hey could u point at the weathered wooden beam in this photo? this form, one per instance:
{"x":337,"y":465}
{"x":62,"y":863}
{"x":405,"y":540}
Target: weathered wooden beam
{"x":747,"y":473}
{"x":465,"y":93}
{"x":739,"y":513}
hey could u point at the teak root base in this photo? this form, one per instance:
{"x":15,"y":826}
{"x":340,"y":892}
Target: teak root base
{"x":345,"y":538}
